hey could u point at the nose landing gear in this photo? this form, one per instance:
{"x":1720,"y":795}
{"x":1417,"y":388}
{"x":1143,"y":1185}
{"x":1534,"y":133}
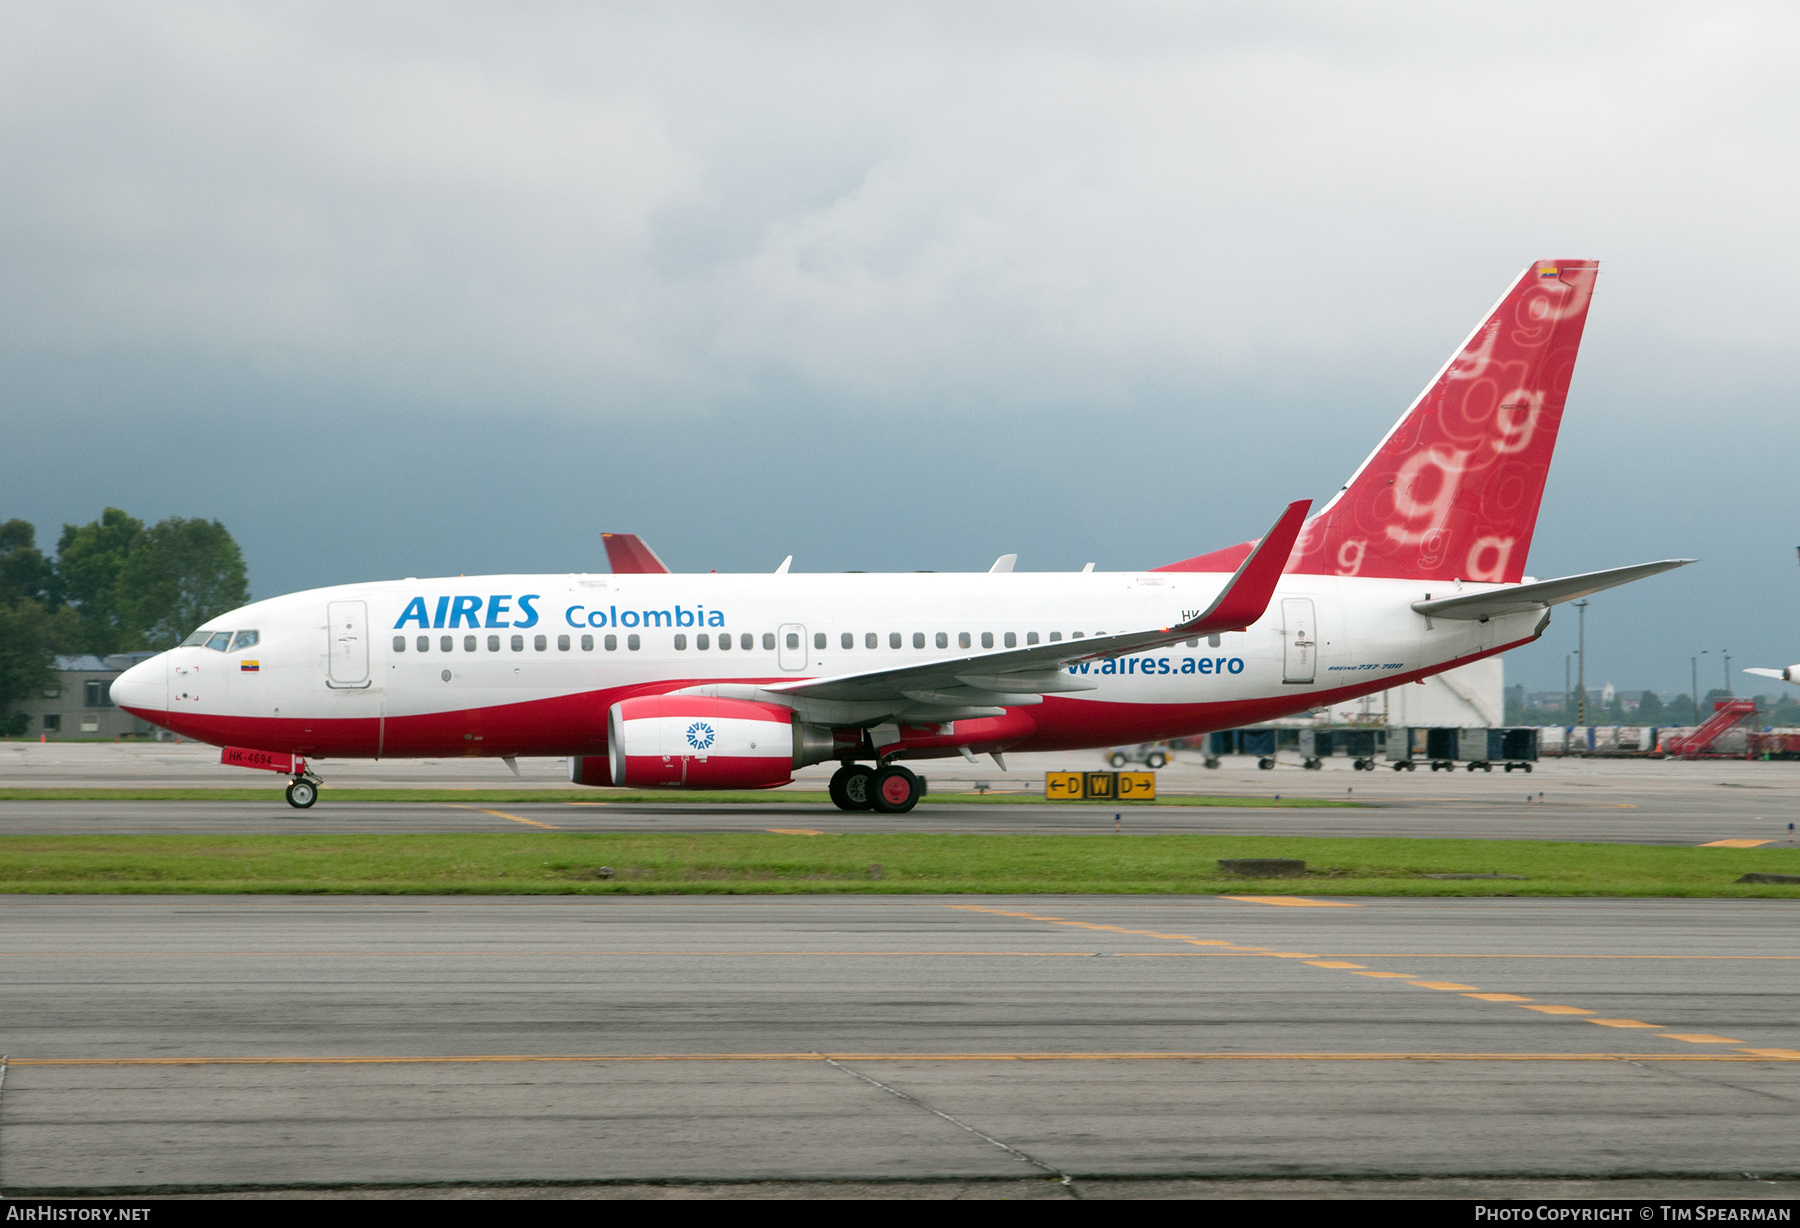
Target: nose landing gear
{"x":305,"y":789}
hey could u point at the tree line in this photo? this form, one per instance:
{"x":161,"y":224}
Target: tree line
{"x":113,"y":585}
{"x":1779,"y":710}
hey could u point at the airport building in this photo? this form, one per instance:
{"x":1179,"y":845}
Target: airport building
{"x":78,"y":704}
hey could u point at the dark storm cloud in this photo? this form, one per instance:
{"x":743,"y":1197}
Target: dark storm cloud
{"x":417,"y":288}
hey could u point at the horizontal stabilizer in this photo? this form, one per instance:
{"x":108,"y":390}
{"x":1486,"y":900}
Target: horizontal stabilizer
{"x":1522,"y":598}
{"x":630,"y":556}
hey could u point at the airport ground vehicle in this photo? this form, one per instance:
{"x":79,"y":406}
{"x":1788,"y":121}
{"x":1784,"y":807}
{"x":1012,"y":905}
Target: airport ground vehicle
{"x":651,"y":679}
{"x":1150,"y":755}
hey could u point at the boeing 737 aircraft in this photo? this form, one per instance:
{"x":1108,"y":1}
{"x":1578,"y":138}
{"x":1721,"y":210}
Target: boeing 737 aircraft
{"x":645,"y":678}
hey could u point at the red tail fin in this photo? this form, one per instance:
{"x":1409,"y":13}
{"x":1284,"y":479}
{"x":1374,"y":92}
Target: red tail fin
{"x":628,"y":554}
{"x":1453,"y":491}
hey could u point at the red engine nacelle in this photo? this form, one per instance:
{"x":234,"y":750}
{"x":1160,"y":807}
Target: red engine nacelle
{"x":698,"y":742}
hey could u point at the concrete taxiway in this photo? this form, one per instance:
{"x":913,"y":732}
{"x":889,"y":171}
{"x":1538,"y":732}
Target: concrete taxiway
{"x":1635,"y":801}
{"x":164,"y":1042}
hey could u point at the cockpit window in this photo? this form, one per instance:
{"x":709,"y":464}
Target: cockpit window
{"x":197,"y":639}
{"x":243,"y":639}
{"x":219,"y":640}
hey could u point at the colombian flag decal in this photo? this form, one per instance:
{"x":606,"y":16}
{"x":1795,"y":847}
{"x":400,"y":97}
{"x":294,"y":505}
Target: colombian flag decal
{"x":1546,"y":272}
{"x":249,"y":667}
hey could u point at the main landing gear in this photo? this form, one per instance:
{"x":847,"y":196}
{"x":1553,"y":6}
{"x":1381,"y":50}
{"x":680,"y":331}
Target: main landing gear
{"x":887,"y":790}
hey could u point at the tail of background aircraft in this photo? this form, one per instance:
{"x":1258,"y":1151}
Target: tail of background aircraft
{"x":1452,"y":492}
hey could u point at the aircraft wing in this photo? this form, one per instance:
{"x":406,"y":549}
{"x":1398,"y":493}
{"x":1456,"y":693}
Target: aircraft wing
{"x":629,"y":555}
{"x":1022,"y":675}
{"x":1524,"y":597}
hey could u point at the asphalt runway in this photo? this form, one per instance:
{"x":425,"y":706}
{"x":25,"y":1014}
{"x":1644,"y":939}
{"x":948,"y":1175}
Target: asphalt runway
{"x":1003,"y":1043}
{"x":1632,"y":801}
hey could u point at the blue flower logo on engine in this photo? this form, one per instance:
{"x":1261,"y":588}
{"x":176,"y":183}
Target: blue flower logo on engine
{"x":700,"y":735}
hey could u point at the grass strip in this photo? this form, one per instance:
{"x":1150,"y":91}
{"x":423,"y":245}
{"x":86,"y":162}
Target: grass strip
{"x":577,"y":863}
{"x":717,"y":797}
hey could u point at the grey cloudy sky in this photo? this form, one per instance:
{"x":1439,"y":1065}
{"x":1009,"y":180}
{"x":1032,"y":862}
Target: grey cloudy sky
{"x":409,"y":289}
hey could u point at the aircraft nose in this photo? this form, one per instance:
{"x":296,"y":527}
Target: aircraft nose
{"x":145,"y":686}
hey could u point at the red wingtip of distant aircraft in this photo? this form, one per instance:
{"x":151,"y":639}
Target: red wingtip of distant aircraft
{"x":629,"y":555}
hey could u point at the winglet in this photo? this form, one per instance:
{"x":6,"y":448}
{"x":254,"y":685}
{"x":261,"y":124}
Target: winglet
{"x":629,"y":555}
{"x":1247,"y":594}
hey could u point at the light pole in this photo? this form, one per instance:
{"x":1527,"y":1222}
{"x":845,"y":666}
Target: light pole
{"x":1694,"y":663}
{"x":1581,"y":663}
{"x":1568,"y":706}
{"x":1726,"y":653}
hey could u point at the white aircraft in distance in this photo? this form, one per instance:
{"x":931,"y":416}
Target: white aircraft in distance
{"x":644,"y":678}
{"x":1790,"y":674}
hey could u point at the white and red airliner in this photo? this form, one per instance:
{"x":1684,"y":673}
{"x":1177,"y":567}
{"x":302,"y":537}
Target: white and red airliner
{"x":645,"y":678}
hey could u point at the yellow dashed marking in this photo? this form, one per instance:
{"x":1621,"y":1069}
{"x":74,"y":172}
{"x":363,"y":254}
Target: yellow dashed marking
{"x":1622,"y":1023}
{"x":1331,"y":963}
{"x":1446,"y":985}
{"x":1781,"y":1053}
{"x":1735,"y":844}
{"x":1496,"y":997}
{"x":1288,"y":901}
{"x":794,"y":831}
{"x":1701,"y":1038}
{"x":1561,"y":1010}
{"x":1389,"y":976}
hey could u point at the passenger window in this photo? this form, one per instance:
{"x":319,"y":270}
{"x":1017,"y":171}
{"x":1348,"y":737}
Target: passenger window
{"x":1012,"y":641}
{"x":681,"y":643}
{"x":703,"y":641}
{"x":918,"y":639}
{"x":518,"y":643}
{"x":1193,"y":643}
{"x":987,"y":639}
{"x":1076,"y":635}
{"x":244,"y":639}
{"x":747,"y":643}
{"x":768,"y":641}
{"x":848,"y":640}
{"x":493,"y":643}
{"x":793,"y":640}
{"x":468,"y":643}
{"x":562,"y":643}
{"x":612,"y":643}
{"x":219,"y":640}
{"x":725,"y":642}
{"x":1054,"y":636}
{"x":871,"y":640}
{"x":962,"y":639}
{"x":587,"y":643}
{"x":1030,"y":638}
{"x":539,"y":643}
{"x":424,"y":643}
{"x":943,"y":640}
{"x":632,"y":642}
{"x":818,"y":639}
{"x":399,"y":643}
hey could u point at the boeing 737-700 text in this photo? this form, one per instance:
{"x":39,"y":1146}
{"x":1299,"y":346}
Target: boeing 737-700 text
{"x":647,"y":678}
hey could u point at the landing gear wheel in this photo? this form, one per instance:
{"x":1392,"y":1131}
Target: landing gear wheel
{"x":895,"y":790}
{"x":302,"y":793}
{"x":1155,"y":759}
{"x":1117,"y":759}
{"x":849,"y":787}
{"x":1267,"y":765}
